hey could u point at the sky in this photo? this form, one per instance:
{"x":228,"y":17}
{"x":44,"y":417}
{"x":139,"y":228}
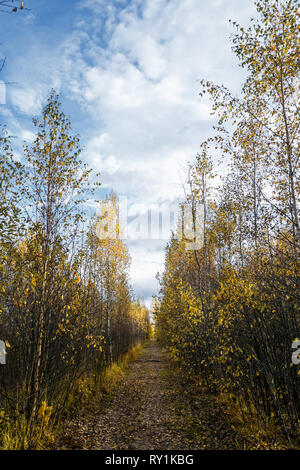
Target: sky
{"x":128,"y":72}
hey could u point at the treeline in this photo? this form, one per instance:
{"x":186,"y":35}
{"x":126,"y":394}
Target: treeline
{"x":66,"y":307}
{"x":228,"y":312}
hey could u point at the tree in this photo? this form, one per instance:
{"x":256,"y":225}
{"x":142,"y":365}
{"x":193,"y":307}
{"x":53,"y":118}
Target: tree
{"x":111,"y":261}
{"x":248,"y":270}
{"x":55,"y":186}
{"x":67,"y":309}
{"x":11,"y":6}
{"x":268,"y":111}
{"x":11,"y":173}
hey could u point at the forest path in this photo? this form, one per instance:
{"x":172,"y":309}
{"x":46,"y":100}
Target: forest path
{"x":151,"y":410}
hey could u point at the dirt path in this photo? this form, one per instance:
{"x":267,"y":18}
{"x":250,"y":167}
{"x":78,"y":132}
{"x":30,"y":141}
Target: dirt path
{"x":151,"y":411}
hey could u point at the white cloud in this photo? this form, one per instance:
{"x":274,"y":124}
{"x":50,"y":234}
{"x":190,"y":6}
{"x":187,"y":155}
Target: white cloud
{"x":142,"y":88}
{"x":27,"y":100}
{"x":27,"y":135}
{"x":146,"y":262}
{"x":133,"y":67}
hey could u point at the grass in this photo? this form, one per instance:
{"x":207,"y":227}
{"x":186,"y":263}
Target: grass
{"x":15,"y":435}
{"x":87,"y":393}
{"x":207,"y":415}
{"x":254,"y":433}
{"x":115,"y":373}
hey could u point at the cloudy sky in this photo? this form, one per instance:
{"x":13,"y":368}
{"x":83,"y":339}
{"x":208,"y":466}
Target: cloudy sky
{"x":128,"y":72}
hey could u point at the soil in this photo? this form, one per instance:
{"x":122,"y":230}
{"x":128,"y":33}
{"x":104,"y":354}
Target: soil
{"x":152,"y":410}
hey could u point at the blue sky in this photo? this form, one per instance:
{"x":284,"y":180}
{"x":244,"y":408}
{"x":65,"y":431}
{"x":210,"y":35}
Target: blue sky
{"x":128,"y":74}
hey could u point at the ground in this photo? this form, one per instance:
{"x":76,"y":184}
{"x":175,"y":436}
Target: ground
{"x":151,"y":409}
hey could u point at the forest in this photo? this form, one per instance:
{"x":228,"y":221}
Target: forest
{"x":229,"y":312}
{"x":67,"y":309}
{"x":226,"y":320}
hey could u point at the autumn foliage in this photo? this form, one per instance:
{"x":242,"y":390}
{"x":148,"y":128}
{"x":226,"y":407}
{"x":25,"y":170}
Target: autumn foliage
{"x":66,"y":307}
{"x":229,"y":312}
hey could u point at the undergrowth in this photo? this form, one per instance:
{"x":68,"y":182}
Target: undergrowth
{"x":88,"y":392}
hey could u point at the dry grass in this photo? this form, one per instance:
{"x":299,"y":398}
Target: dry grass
{"x":88,"y":392}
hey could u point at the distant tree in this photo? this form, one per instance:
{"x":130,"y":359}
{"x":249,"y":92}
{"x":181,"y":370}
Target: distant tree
{"x":11,"y":6}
